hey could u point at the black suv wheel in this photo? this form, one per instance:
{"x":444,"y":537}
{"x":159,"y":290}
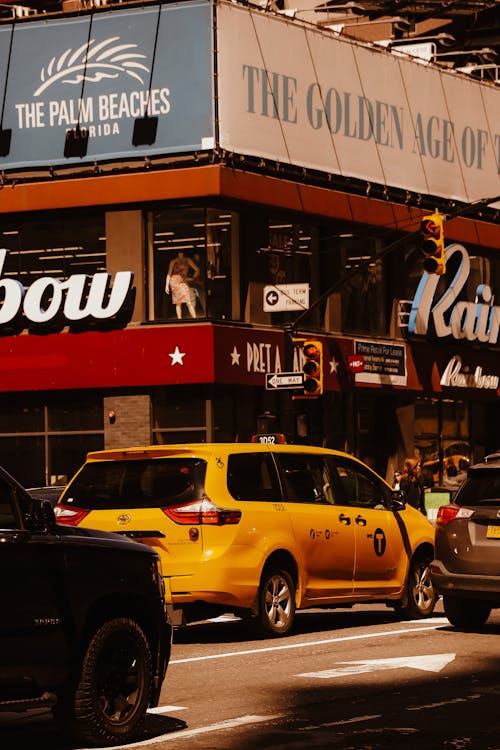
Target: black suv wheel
{"x":112,"y":694}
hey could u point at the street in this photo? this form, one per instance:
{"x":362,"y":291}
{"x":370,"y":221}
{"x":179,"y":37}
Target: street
{"x":352,"y":679}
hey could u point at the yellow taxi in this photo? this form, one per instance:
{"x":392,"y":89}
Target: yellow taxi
{"x":260,"y":529}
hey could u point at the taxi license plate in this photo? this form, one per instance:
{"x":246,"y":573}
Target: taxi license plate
{"x":493,"y":532}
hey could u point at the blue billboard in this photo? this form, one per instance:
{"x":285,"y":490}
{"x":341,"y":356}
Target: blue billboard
{"x":100,"y":73}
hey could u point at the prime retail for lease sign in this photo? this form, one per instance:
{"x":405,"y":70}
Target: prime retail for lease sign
{"x":102,"y":71}
{"x":383,"y":362}
{"x":298,"y":94}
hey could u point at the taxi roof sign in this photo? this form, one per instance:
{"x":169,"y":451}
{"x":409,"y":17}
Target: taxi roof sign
{"x":269,"y":438}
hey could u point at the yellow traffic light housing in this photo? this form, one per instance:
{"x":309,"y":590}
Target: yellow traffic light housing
{"x":432,"y":245}
{"x":311,"y":352}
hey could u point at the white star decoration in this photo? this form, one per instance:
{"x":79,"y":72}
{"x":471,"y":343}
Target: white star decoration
{"x":177,"y":356}
{"x":235,"y":356}
{"x":333,"y":365}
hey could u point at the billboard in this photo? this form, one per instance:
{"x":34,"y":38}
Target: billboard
{"x":101,"y":71}
{"x":297,"y":94}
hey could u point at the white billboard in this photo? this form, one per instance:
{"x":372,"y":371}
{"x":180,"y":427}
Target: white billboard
{"x":298,"y":94}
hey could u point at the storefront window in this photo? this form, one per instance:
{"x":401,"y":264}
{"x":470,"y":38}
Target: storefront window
{"x":45,"y":443}
{"x":289,"y":253}
{"x":66,"y":454}
{"x":190,"y":252}
{"x":291,"y":258}
{"x":23,"y":457}
{"x":363,"y":293}
{"x":179,"y":416}
{"x":442,"y":439}
{"x":483,"y":270}
{"x":277,"y":250}
{"x":54,"y":245}
{"x":63,"y":416}
{"x":25,"y":418}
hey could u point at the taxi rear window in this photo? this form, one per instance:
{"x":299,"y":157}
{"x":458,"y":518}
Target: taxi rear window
{"x":157,"y":483}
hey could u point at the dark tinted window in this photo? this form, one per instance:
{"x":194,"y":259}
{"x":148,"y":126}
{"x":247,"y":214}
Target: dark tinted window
{"x":360,"y":488}
{"x":481,"y":488}
{"x":149,"y":483}
{"x":8,"y":516}
{"x":252,"y":476}
{"x":305,"y":478}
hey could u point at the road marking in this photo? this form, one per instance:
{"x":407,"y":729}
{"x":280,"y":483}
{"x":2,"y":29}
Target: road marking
{"x":165,"y":709}
{"x":289,"y":646}
{"x":449,"y":702}
{"x":354,"y":720}
{"x":429,"y":663}
{"x":183,"y":733}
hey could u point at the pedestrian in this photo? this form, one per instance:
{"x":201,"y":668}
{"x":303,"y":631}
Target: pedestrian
{"x":412,"y":484}
{"x":396,"y":483}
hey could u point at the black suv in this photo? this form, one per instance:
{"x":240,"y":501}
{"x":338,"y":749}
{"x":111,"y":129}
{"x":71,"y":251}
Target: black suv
{"x":466,"y":570}
{"x":83,"y":625}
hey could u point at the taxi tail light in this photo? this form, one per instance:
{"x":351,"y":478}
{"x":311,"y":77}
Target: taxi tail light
{"x":69,"y":516}
{"x":447,"y":513}
{"x":202,"y":512}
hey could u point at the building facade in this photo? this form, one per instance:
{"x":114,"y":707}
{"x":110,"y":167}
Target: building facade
{"x":173,"y":172}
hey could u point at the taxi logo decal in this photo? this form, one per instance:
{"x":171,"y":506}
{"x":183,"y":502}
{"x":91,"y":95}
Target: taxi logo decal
{"x":379,"y":542}
{"x":123,"y":519}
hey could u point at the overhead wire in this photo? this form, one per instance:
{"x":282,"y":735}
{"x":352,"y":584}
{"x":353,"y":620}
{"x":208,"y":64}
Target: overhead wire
{"x":470,"y":208}
{"x":275,"y":104}
{"x":397,"y":224}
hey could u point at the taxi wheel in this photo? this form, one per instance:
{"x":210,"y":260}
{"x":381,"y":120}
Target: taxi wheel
{"x":276,"y":603}
{"x":421,"y":595}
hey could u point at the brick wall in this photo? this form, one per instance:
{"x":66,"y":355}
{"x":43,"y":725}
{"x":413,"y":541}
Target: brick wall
{"x":132,"y":421}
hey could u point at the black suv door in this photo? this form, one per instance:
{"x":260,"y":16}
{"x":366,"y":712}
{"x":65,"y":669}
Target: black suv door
{"x":31,"y":632}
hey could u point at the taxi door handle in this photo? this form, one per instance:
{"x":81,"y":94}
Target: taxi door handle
{"x":344,"y":519}
{"x":360,"y":520}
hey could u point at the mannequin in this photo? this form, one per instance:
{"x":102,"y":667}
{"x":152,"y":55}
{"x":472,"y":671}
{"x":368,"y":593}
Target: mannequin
{"x":177,"y":282}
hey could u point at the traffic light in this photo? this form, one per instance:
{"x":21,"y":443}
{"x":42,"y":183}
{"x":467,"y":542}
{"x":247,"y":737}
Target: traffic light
{"x":312,"y":367}
{"x":432,"y":245}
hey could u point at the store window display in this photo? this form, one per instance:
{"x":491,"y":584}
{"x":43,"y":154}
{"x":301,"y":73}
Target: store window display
{"x":190,"y":258}
{"x":180,"y":283}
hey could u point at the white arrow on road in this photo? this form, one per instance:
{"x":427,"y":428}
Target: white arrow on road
{"x":431,"y":663}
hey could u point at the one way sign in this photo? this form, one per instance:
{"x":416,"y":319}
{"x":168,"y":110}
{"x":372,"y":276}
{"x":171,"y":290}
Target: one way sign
{"x":284,"y":380}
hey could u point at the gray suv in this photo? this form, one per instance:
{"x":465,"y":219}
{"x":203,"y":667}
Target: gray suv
{"x":466,"y":569}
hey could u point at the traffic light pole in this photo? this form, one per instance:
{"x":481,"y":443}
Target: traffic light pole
{"x":289,"y":424}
